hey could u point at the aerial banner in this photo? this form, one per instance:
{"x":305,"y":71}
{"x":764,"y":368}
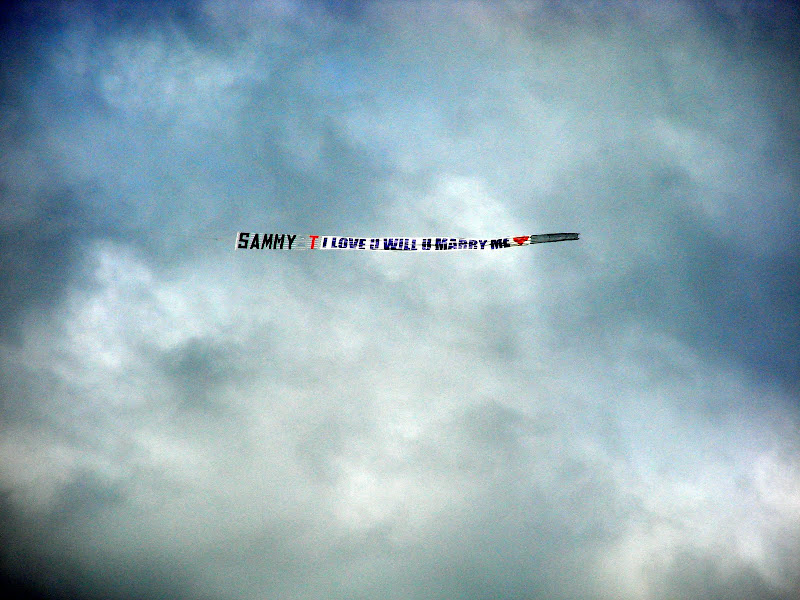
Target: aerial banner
{"x":285,"y":241}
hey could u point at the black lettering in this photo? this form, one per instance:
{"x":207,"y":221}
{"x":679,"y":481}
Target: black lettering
{"x":266,"y":241}
{"x":254,"y":243}
{"x":243,"y":237}
{"x":278,"y":239}
{"x":291,"y":239}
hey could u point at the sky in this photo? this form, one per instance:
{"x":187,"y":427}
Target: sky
{"x":611,"y":418}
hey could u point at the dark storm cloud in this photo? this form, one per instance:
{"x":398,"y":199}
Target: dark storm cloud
{"x":609,"y":418}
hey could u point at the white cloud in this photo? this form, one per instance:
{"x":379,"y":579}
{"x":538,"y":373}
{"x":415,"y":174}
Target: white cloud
{"x":546,"y":421}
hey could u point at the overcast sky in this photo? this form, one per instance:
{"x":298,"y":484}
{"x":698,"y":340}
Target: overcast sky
{"x":616,"y":418}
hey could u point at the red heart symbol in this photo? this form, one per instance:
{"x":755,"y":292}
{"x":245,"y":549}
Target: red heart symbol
{"x":521,"y":239}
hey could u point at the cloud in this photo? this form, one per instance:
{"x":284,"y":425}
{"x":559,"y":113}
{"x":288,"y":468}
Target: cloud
{"x":609,"y":418}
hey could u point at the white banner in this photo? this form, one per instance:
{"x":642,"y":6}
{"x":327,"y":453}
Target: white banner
{"x":286,"y":241}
